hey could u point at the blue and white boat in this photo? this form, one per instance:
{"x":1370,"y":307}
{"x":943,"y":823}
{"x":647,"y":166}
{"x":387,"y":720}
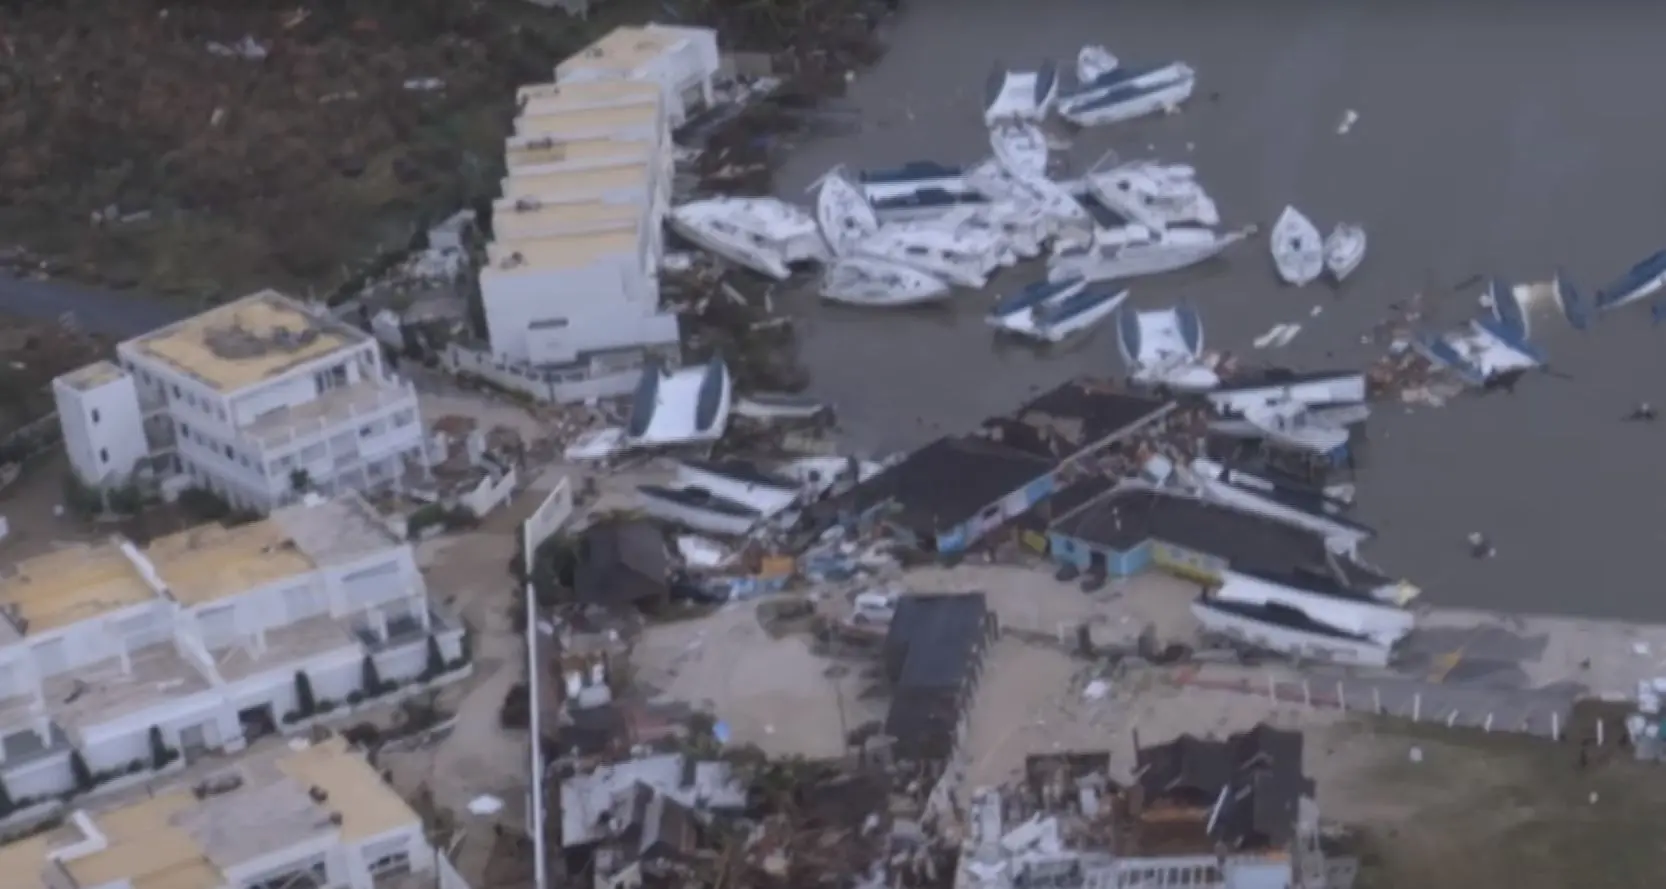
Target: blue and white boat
{"x":890,"y":182}
{"x":1164,"y":347}
{"x":925,"y":203}
{"x":1480,"y":353}
{"x":1128,"y":93}
{"x":680,"y":407}
{"x":1053,"y":311}
{"x":1642,"y":280}
{"x":1020,"y":95}
{"x":1132,"y":251}
{"x":1506,"y":308}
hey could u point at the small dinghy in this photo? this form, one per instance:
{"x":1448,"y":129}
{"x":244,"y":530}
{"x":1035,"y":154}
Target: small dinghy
{"x":1020,"y":95}
{"x":866,"y":281}
{"x":1126,"y":94}
{"x":1164,"y":347}
{"x":845,"y":216}
{"x":1094,"y":62}
{"x":1344,"y":250}
{"x":779,"y":406}
{"x":1298,"y":251}
{"x":1289,"y":423}
{"x":1135,"y":250}
{"x":1644,"y":279}
{"x":1052,"y":311}
{"x":1020,"y":147}
{"x":762,"y":234}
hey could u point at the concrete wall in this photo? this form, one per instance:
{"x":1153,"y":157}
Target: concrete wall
{"x":568,"y":387}
{"x":489,"y":494}
{"x":103,"y":429}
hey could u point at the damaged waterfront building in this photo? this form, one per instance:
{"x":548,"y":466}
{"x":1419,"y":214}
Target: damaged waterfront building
{"x":1232,"y":814}
{"x":949,"y":494}
{"x":1266,"y":583}
{"x":933,"y":657}
{"x":259,"y":401}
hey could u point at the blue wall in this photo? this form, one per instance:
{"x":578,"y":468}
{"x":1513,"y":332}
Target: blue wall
{"x":1070,"y":551}
{"x":958,"y":538}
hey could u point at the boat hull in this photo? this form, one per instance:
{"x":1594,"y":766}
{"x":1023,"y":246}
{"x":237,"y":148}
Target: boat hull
{"x":665,"y":504}
{"x":1128,"y":102}
{"x":1298,"y":252}
{"x":1344,"y":251}
{"x":1138,"y":260}
{"x":766,"y":263}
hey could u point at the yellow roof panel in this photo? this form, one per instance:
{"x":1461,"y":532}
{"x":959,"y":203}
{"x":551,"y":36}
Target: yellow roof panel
{"x":96,"y":374}
{"x":146,"y":848}
{"x":368,"y":806}
{"x":546,"y":154}
{"x":548,"y":97}
{"x":22,"y":861}
{"x":569,"y":250}
{"x":601,"y":120}
{"x":575,"y":184}
{"x":247,"y":341}
{"x":70,"y":585}
{"x":210,"y":562}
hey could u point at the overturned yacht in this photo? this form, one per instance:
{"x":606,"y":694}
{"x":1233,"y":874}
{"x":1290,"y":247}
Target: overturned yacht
{"x":844,"y":214}
{"x":680,"y":407}
{"x":1134,"y":250}
{"x":1126,"y":93}
{"x":880,"y":283}
{"x":1020,"y":95}
{"x":1482,"y":353}
{"x":1052,"y":312}
{"x":762,"y":234}
{"x":1164,"y":347}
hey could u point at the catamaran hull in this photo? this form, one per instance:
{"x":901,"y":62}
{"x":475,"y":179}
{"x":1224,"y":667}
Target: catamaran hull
{"x":1098,"y":111}
{"x":770,"y":264}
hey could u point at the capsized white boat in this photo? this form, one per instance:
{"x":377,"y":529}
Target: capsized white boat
{"x":1164,"y":347}
{"x":963,"y":255}
{"x":680,"y":407}
{"x":779,"y":406}
{"x":1053,"y":312}
{"x":1344,"y":250}
{"x":764,"y":234}
{"x":1480,"y":353}
{"x":1155,"y":195}
{"x":1298,"y":251}
{"x":845,"y":216}
{"x":698,"y":509}
{"x":1128,"y":93}
{"x":1022,"y":228}
{"x":867,"y":281}
{"x":1020,"y":95}
{"x":1134,"y":250}
{"x":1020,"y":147}
{"x":1094,"y":62}
{"x":1292,"y":424}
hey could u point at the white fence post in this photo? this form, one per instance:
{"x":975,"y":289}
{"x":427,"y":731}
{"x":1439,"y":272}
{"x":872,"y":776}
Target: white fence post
{"x":1272,"y":689}
{"x":1341,"y":696}
{"x":1599,"y":733}
{"x":1487,"y":727}
{"x":1376,"y":700}
{"x":1416,"y":706}
{"x":1451,"y":718}
{"x":1555,"y":726}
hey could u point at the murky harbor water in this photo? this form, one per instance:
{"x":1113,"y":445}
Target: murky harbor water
{"x":1485,"y":145}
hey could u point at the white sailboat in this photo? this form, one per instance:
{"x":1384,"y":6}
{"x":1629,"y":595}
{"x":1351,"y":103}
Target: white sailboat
{"x":1344,"y":250}
{"x":845,"y":216}
{"x":867,"y":281}
{"x":1298,"y":251}
{"x":1155,"y":195}
{"x":1020,"y":95}
{"x":1292,"y":424}
{"x":1052,"y":312}
{"x":763,"y":234}
{"x":1020,"y":147}
{"x":1135,"y":250}
{"x":964,"y":255}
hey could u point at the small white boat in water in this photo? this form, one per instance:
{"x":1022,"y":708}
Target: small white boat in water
{"x":762,"y":234}
{"x":1020,"y":147}
{"x":1134,"y":250}
{"x":685,"y":406}
{"x":866,"y":281}
{"x":1094,"y":62}
{"x":1155,"y":195}
{"x":1052,"y":312}
{"x":779,"y":406}
{"x":1298,"y":251}
{"x":698,"y":509}
{"x":1164,"y":347}
{"x":1344,"y":250}
{"x":1127,"y":93}
{"x":845,"y":216}
{"x":1020,"y":95}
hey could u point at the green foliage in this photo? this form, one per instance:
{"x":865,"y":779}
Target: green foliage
{"x":81,"y":500}
{"x":84,"y":780}
{"x":305,"y":704}
{"x":370,"y":681}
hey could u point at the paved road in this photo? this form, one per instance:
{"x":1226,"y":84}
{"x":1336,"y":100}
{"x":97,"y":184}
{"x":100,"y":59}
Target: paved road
{"x":1469,"y":157}
{"x":105,"y":312}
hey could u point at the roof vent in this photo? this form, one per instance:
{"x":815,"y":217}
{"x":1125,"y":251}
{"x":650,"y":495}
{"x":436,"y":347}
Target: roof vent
{"x":318,"y":794}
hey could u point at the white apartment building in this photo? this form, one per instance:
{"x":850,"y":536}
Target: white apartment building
{"x":681,"y":61}
{"x":201,"y":635}
{"x":315,"y":818}
{"x":257,"y":400}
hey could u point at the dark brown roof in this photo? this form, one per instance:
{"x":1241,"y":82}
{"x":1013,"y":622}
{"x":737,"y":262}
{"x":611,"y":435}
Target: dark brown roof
{"x":1251,"y":783}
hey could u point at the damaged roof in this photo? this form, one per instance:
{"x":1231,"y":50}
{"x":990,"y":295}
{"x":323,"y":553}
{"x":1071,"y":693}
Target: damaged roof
{"x":1081,"y":415}
{"x":1254,"y":778}
{"x":948,"y":481}
{"x":1250,"y":544}
{"x":616,"y":556}
{"x":931,"y":648}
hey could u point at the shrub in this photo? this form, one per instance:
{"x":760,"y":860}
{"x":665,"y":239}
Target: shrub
{"x":160,"y":755}
{"x":305,"y":703}
{"x":6,"y":805}
{"x":423,"y":518}
{"x":436,"y":660}
{"x":136,"y":766}
{"x":80,"y":499}
{"x":326,"y":705}
{"x":84,"y":780}
{"x":355,"y":698}
{"x":292,"y":717}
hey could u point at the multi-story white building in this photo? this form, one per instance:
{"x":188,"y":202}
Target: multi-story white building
{"x":681,"y":61}
{"x":201,"y":636}
{"x":315,"y":818}
{"x":258,"y":400}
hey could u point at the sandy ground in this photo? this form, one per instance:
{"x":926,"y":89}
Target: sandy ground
{"x":775,"y":693}
{"x":1465,"y":160}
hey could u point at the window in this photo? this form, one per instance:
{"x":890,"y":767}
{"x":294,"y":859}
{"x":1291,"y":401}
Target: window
{"x":177,"y":393}
{"x":387,"y":857}
{"x":230,"y":454}
{"x":548,"y":324}
{"x":184,"y":432}
{"x":95,"y":416}
{"x":104,"y":454}
{"x":311,"y":875}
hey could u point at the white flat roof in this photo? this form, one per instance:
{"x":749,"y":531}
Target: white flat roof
{"x":566,"y":250}
{"x":576,"y":183}
{"x":627,"y":49}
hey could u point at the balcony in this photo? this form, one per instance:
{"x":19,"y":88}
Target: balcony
{"x":346,"y":408}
